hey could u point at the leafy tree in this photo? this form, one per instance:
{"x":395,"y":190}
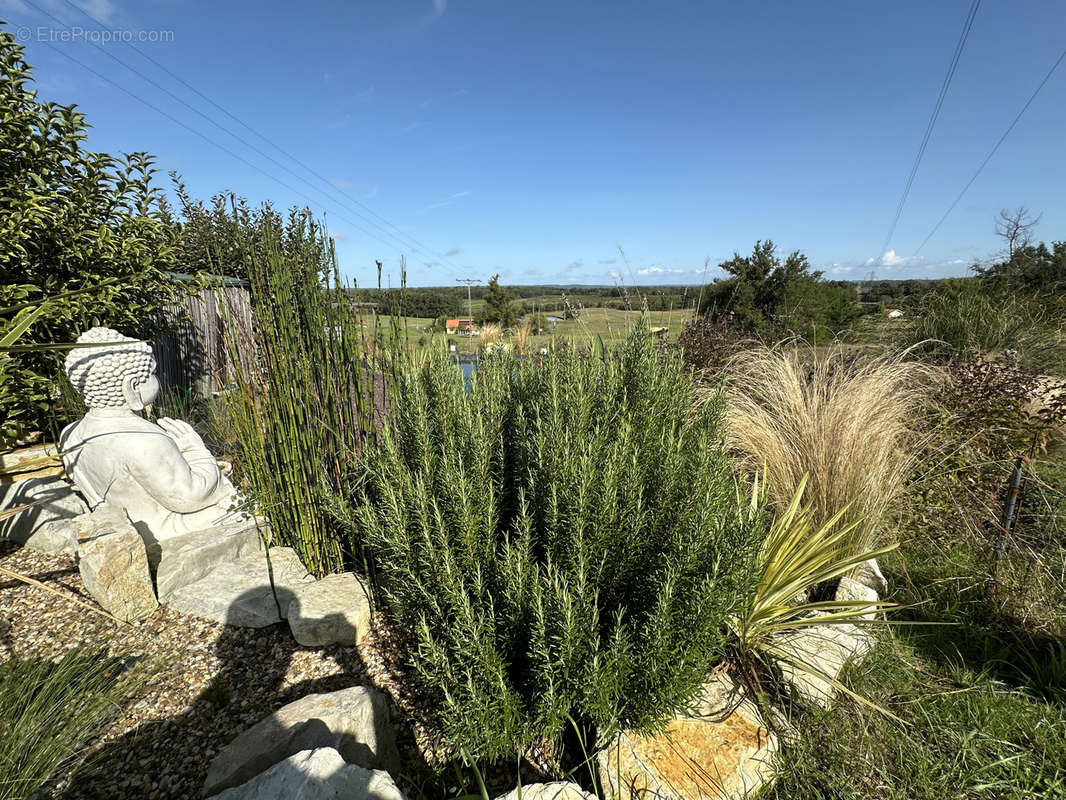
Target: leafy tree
{"x":500,"y":305}
{"x":212,"y":237}
{"x":410,"y":302}
{"x":757,"y":286}
{"x":816,"y":310}
{"x":70,"y":218}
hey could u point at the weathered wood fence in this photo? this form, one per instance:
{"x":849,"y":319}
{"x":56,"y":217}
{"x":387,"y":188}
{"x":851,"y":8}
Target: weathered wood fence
{"x":197,"y":353}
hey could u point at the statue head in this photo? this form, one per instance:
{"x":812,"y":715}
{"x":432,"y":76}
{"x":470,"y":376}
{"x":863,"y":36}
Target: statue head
{"x":119,"y":373}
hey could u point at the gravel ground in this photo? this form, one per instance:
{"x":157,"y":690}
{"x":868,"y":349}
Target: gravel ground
{"x":215,"y":680}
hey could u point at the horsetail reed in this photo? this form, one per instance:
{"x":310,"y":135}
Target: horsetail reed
{"x":303,"y":408}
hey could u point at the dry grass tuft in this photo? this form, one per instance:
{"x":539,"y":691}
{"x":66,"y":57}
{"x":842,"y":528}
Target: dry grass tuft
{"x":489,"y":333}
{"x":843,"y":420}
{"x":523,"y":337}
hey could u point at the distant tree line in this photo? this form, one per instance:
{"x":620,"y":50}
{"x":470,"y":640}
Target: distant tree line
{"x":413,"y":302}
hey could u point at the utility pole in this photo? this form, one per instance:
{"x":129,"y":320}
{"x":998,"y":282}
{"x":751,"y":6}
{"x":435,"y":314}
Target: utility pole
{"x":469,"y":303}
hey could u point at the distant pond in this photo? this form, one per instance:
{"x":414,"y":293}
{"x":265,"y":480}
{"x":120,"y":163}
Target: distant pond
{"x":468,"y":368}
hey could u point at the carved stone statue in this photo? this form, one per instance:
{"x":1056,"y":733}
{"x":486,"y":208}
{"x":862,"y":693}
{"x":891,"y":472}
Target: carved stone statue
{"x":164,"y":476}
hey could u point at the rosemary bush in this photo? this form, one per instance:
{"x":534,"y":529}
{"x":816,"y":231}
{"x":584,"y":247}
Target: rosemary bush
{"x":566,"y":539}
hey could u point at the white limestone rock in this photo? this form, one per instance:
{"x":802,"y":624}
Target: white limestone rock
{"x":186,"y":559}
{"x":318,"y":774}
{"x":869,"y":574}
{"x":241,"y":593}
{"x":334,"y":610}
{"x":354,"y":722}
{"x":113,"y":564}
{"x":851,"y":590}
{"x":556,"y":790}
{"x":47,"y":524}
{"x":825,"y":648}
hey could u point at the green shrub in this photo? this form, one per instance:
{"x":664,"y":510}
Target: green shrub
{"x":70,"y":218}
{"x":960,"y":317}
{"x":566,"y":538}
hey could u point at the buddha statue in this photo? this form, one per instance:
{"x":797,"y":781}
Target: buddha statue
{"x":162,"y":474}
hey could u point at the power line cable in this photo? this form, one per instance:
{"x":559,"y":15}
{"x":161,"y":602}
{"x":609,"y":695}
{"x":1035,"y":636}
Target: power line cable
{"x":992,"y":152}
{"x":959,"y":47}
{"x":209,"y":140}
{"x":404,"y":244}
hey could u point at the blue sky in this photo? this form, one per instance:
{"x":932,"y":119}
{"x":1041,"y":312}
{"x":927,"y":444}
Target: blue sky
{"x":536,"y":140}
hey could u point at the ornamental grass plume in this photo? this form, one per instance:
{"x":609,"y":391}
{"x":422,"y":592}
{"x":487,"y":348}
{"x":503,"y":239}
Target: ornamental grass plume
{"x":489,"y":334}
{"x":523,"y":337}
{"x":843,"y":419}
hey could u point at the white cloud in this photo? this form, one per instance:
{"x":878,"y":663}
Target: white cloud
{"x":657,"y":270}
{"x":337,"y":235}
{"x":439,"y":7}
{"x":888,"y":259}
{"x":894,"y":266}
{"x":454,"y":252}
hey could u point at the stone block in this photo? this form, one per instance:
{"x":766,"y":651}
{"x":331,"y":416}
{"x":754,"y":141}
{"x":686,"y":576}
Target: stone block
{"x":354,"y":722}
{"x":557,"y":790}
{"x":722,"y":750}
{"x":824,"y":649}
{"x":869,"y":574}
{"x":45,"y":522}
{"x":182,"y":560}
{"x":241,"y":593}
{"x":334,"y":610}
{"x":851,"y":590}
{"x":113,"y":564}
{"x":319,"y":774}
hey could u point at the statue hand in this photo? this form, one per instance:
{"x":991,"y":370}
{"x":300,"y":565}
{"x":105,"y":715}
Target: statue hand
{"x":182,"y":433}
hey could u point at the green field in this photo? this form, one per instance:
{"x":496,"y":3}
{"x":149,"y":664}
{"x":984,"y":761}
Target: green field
{"x":610,"y":324}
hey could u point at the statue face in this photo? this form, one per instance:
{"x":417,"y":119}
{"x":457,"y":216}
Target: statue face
{"x":139,"y":394}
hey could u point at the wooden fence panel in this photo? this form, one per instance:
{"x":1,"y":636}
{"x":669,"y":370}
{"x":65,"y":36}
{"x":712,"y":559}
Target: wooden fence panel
{"x":195,"y":353}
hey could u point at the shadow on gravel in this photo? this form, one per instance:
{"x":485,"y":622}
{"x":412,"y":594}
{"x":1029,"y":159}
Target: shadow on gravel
{"x":168,"y":758}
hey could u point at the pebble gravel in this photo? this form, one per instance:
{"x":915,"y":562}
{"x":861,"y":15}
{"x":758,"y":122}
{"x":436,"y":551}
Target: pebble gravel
{"x":213,"y":680}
